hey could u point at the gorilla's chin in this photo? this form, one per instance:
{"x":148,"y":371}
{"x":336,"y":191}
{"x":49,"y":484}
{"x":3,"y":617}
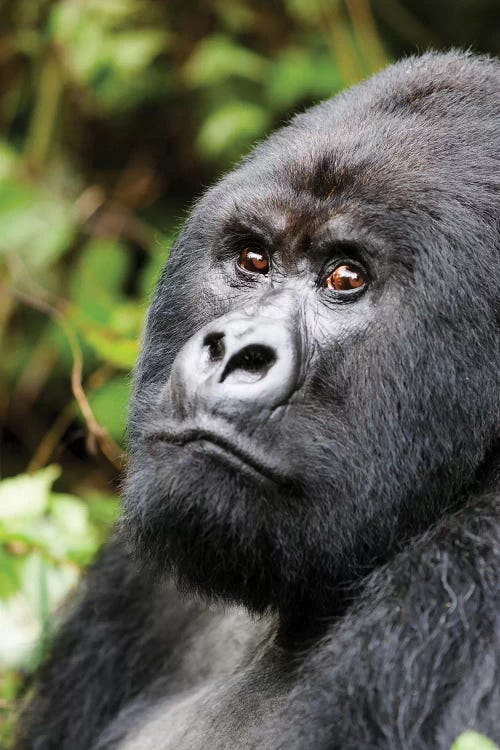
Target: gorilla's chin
{"x":203,"y":515}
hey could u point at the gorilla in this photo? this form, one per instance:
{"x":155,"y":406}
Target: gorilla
{"x":309,"y":554}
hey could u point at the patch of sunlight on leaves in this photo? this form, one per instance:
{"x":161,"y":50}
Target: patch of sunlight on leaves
{"x":45,"y":539}
{"x":20,"y":629}
{"x":23,"y":616}
{"x":229,"y":129}
{"x":473,"y":741}
{"x":26,"y":495}
{"x":217,"y":58}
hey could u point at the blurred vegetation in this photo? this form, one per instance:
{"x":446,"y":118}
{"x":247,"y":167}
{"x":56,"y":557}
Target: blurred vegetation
{"x":113,"y":115}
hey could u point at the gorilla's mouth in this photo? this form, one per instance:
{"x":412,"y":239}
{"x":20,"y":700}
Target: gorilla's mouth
{"x":237,"y":457}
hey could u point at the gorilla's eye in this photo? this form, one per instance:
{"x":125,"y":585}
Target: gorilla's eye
{"x":346,"y":277}
{"x":253,"y":260}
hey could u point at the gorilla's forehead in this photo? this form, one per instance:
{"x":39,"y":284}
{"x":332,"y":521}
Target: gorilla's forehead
{"x":422,"y":133}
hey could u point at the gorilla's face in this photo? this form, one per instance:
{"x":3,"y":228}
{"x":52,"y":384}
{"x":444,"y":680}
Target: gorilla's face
{"x":319,"y":376}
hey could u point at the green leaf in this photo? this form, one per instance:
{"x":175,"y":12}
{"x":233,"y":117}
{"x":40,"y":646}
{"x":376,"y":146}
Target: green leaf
{"x":120,"y":352}
{"x":231,"y":128}
{"x":103,"y":509}
{"x":60,"y":579}
{"x":22,"y":615}
{"x":127,"y":320}
{"x":130,"y":52}
{"x":9,"y":574}
{"x":67,"y":15}
{"x":110,"y":48}
{"x":473,"y":741}
{"x":109,"y":405}
{"x":71,"y":519}
{"x":299,"y":75}
{"x":43,"y":535}
{"x":218,"y":58}
{"x":71,"y":514}
{"x":26,"y":495}
{"x":97,"y":280}
{"x":34,"y":224}
{"x":20,"y":631}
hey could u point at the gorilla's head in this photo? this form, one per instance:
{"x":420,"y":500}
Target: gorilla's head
{"x":320,"y":372}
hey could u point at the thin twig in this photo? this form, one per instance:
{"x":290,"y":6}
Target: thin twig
{"x":97,"y":434}
{"x":52,"y":437}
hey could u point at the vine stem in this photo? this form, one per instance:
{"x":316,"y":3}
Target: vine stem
{"x":50,"y":440}
{"x":97,"y":434}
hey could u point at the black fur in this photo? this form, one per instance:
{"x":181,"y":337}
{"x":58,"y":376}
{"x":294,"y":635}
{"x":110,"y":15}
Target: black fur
{"x":369,"y":544}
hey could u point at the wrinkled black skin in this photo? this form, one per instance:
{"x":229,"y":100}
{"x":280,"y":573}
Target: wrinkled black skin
{"x":375,"y":546}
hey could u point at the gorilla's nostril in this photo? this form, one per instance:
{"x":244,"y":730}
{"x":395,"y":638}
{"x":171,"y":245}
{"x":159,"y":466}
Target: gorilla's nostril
{"x":250,"y":363}
{"x":214,"y":342}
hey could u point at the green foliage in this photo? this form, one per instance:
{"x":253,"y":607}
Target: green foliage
{"x":45,"y":539}
{"x":473,"y":741}
{"x":218,"y":58}
{"x":110,"y":48}
{"x":31,"y":217}
{"x":228,"y":129}
{"x":299,"y":75}
{"x":97,"y":279}
{"x":109,"y":404}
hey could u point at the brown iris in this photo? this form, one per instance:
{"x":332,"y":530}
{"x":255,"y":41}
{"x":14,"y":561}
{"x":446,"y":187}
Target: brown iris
{"x":346,"y":278}
{"x":253,"y":260}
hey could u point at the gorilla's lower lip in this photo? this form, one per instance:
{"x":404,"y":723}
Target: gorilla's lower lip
{"x":192,"y":436}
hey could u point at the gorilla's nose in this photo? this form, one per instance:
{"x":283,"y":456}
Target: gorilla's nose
{"x":236,"y":366}
{"x":245,"y":362}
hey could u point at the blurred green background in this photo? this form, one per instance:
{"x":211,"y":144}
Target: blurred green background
{"x":114,"y":115}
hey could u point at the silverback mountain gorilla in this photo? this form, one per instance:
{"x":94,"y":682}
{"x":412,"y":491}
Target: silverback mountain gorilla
{"x":310,"y":550}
